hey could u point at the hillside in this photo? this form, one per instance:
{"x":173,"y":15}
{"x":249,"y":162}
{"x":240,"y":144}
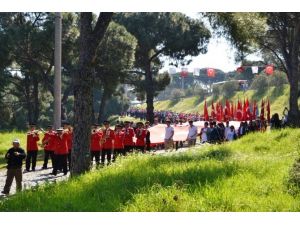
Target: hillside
{"x":250,"y":174}
{"x":278,"y":100}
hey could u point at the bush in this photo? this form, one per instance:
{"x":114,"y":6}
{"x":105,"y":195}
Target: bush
{"x":278,"y":80}
{"x":189,"y":92}
{"x":260,"y":84}
{"x":229,"y":88}
{"x":216,"y":90}
{"x":177,"y":93}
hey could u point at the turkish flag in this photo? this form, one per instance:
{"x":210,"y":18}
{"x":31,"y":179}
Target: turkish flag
{"x":262,"y":111}
{"x":269,"y":70}
{"x":254,"y":110}
{"x":240,"y":69}
{"x":268,"y":111}
{"x":206,"y":117}
{"x":184,"y":72}
{"x":211,"y":72}
{"x":239,"y":112}
{"x":213,"y":112}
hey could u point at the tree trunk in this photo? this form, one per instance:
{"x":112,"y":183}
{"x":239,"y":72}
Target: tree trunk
{"x":28,"y":105}
{"x":36,"y":107}
{"x":104,"y":98}
{"x":149,"y":92}
{"x":293,"y":116}
{"x":83,"y":85}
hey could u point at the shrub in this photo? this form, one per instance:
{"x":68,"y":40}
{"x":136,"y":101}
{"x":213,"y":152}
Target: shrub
{"x":260,"y":84}
{"x":177,"y":93}
{"x":278,"y":80}
{"x":229,"y":88}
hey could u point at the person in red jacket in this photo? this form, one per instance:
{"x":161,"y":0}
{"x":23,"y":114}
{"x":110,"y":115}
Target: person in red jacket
{"x":108,"y":143}
{"x":140,"y":134}
{"x":128,"y":137}
{"x":61,"y":151}
{"x":96,"y":147}
{"x":32,"y":147}
{"x":48,"y":143}
{"x":119,"y":142}
{"x":69,"y":132}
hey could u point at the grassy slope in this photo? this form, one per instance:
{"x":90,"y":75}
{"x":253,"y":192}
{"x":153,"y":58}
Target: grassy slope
{"x":246,"y":175}
{"x":278,"y":100}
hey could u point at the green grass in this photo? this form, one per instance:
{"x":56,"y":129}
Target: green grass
{"x":250,"y":174}
{"x":278,"y":100}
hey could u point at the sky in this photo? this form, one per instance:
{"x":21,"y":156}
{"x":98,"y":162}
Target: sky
{"x":220,"y":55}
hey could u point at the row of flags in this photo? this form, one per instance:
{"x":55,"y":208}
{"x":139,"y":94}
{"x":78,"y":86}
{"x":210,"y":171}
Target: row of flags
{"x":269,"y":70}
{"x":239,"y":111}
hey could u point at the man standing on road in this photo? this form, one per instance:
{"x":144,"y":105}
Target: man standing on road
{"x":108,"y":143}
{"x":32,"y":147}
{"x":48,"y":143}
{"x":169,"y":133}
{"x":128,"y":138}
{"x":61,"y":152}
{"x":15,"y":157}
{"x":192,"y":135}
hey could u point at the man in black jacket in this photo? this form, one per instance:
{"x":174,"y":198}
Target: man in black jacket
{"x":15,"y":157}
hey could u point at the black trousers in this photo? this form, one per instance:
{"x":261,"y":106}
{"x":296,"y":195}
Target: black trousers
{"x":96,"y":155}
{"x":31,"y":159}
{"x":127,"y":148}
{"x":140,"y":148}
{"x":48,"y":154}
{"x":69,"y":159}
{"x":107,"y":153}
{"x":61,"y":162}
{"x":118,"y":152}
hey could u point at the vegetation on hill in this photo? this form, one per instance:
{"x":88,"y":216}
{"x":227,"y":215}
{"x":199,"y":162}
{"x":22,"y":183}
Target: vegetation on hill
{"x":250,"y":174}
{"x":278,"y":100}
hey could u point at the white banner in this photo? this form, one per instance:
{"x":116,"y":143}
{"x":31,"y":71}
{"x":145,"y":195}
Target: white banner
{"x":196,"y":72}
{"x":254,"y":69}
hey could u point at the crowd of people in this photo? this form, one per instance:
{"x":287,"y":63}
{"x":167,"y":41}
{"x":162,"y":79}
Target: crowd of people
{"x":161,"y":115}
{"x":108,"y":143}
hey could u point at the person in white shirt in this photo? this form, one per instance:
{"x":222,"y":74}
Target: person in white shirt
{"x":169,"y":133}
{"x":231,"y":135}
{"x":192,"y":135}
{"x":227,"y":129}
{"x":203,"y":133}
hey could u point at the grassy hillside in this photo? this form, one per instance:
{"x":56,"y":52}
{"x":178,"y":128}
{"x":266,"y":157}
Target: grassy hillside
{"x":278,"y":100}
{"x":250,"y":174}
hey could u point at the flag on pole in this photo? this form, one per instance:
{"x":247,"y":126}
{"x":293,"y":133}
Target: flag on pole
{"x":239,"y":112}
{"x":211,"y":72}
{"x":206,"y":117}
{"x":172,"y":70}
{"x":268,"y":111}
{"x":196,"y":72}
{"x":254,"y":69}
{"x":184,"y":72}
{"x":269,"y":70}
{"x":213,"y":112}
{"x":262,"y":111}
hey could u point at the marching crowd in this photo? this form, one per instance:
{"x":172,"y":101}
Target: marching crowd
{"x":107,"y":144}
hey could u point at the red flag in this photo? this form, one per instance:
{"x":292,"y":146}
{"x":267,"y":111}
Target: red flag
{"x":213,"y":112}
{"x":269,"y":69}
{"x":232,"y":111}
{"x":211,"y":72}
{"x":244,"y":111}
{"x":268,"y":111}
{"x":248,"y":113}
{"x":206,"y":118}
{"x":227,"y":110}
{"x":239,"y":112}
{"x":221,"y":113}
{"x":262,"y":111}
{"x":254,"y":110}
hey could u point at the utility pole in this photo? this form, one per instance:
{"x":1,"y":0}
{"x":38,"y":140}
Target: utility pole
{"x":57,"y":72}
